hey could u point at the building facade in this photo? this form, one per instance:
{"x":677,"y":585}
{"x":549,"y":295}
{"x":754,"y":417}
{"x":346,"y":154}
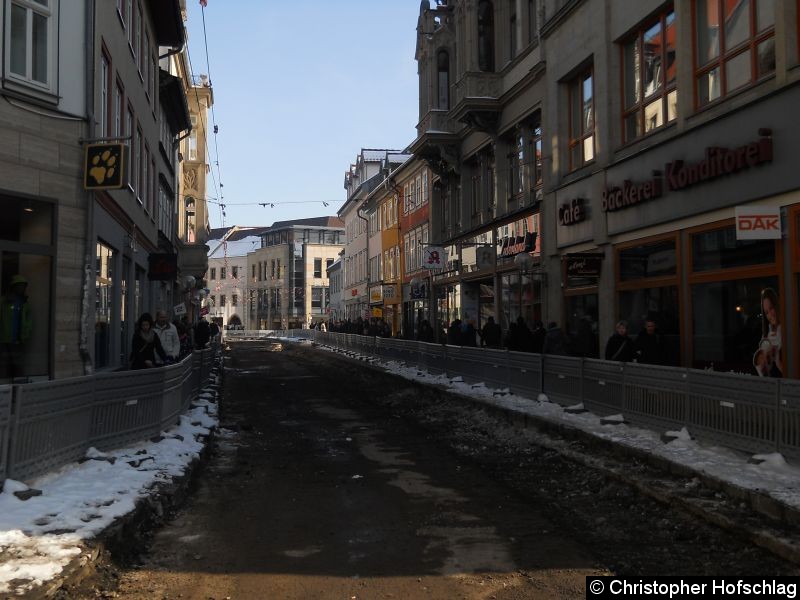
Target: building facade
{"x":643,"y":173}
{"x":93,"y":259}
{"x":289,"y":286}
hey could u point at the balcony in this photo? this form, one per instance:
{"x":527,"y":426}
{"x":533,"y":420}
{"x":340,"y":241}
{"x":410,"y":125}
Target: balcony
{"x":477,"y":101}
{"x":192,"y":259}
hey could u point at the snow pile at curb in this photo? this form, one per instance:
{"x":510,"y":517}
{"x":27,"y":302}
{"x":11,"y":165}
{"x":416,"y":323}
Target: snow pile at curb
{"x":41,"y":535}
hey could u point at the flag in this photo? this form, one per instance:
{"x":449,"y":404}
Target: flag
{"x":203,"y":3}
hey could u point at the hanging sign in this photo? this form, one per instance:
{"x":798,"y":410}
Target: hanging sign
{"x":103,"y":167}
{"x":434,"y":257}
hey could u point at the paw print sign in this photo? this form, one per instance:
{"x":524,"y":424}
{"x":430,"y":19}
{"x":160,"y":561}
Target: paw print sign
{"x":103,"y":168}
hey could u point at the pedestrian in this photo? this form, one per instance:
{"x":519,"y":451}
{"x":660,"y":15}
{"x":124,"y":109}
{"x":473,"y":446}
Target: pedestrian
{"x":619,"y":346}
{"x":213,"y":330}
{"x":425,"y":331}
{"x":649,"y":347}
{"x":322,"y":326}
{"x":15,"y":327}
{"x":145,"y":345}
{"x":537,"y":337}
{"x":454,"y":333}
{"x":168,"y":335}
{"x":555,"y":342}
{"x":185,"y":340}
{"x":202,"y":333}
{"x":490,"y":334}
{"x":468,"y":334}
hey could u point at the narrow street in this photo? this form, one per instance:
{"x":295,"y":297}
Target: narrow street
{"x":343,"y":482}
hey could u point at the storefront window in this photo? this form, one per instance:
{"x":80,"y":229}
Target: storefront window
{"x":104,"y":300}
{"x":650,"y":260}
{"x":726,"y":323}
{"x":521,"y":297}
{"x":582,"y":326}
{"x":719,"y":249}
{"x":660,"y":304}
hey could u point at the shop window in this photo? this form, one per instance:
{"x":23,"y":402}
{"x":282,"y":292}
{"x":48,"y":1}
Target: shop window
{"x":661,"y":305}
{"x":648,"y":74}
{"x":581,"y":122}
{"x":727,"y":323}
{"x":735,"y":44}
{"x":719,"y":249}
{"x":582,"y":325}
{"x":104,"y":301}
{"x":650,"y":260}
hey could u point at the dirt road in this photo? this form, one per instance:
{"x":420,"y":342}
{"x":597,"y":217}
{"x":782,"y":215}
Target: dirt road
{"x":342,"y":482}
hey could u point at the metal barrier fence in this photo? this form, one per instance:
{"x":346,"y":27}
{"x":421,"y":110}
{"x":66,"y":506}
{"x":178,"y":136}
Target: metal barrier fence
{"x":743,"y":412}
{"x":48,"y":424}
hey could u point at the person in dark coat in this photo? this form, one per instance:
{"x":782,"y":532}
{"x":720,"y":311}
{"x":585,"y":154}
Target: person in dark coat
{"x":537,"y":337}
{"x":620,"y":346}
{"x":145,"y":345}
{"x":202,"y":333}
{"x":555,"y":342}
{"x":649,"y":347}
{"x":468,"y":335}
{"x":454,"y":333}
{"x":425,"y":331}
{"x":490,"y":334}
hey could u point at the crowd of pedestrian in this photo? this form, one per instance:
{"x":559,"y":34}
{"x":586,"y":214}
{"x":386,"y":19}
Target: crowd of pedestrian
{"x":159,"y":342}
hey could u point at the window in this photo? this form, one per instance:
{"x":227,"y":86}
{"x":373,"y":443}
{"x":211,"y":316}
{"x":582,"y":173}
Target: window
{"x":145,"y":64}
{"x":192,"y":142}
{"x":537,"y":172}
{"x":328,"y":263}
{"x":131,"y":18}
{"x":31,"y":42}
{"x":317,"y":267}
{"x":581,"y":122}
{"x":424,"y":187}
{"x":235,"y":272}
{"x":213,"y":273}
{"x":119,"y":104}
{"x":253,"y":272}
{"x":443,"y":80}
{"x":137,"y":38}
{"x":137,"y":165}
{"x":513,"y":42}
{"x":532,"y":26}
{"x":190,"y":225}
{"x":222,"y":272}
{"x":485,"y":35}
{"x":143,"y":193}
{"x":516,"y":161}
{"x":735,"y":45}
{"x":104,"y":302}
{"x":235,"y":300}
{"x":131,"y":147}
{"x":649,"y":68}
{"x":222,"y":300}
{"x":105,"y":94}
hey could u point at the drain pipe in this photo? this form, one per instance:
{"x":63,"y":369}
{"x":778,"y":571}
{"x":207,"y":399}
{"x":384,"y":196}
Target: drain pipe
{"x":366,"y":220}
{"x":88,"y":282}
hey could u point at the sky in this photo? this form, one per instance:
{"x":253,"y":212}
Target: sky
{"x":299,"y":89}
{"x":39,"y":536}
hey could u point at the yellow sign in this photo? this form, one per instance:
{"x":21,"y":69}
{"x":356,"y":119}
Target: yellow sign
{"x":104,"y":166}
{"x":377,"y":312}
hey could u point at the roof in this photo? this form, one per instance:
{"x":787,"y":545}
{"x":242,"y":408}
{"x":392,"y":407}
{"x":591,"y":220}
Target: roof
{"x":375,"y":155}
{"x":218,"y":233}
{"x":311,"y":222}
{"x":239,"y":247}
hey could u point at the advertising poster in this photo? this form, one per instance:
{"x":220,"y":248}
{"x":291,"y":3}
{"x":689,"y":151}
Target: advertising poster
{"x":768,"y":359}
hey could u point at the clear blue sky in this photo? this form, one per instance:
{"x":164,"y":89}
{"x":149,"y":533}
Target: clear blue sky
{"x":299,"y":89}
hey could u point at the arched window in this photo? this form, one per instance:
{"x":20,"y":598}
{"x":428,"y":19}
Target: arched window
{"x":191,"y":224}
{"x":485,"y":35}
{"x":442,"y":80}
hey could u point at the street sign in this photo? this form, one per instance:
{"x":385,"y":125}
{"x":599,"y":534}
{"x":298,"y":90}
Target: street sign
{"x":104,"y":166}
{"x":179,"y":310}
